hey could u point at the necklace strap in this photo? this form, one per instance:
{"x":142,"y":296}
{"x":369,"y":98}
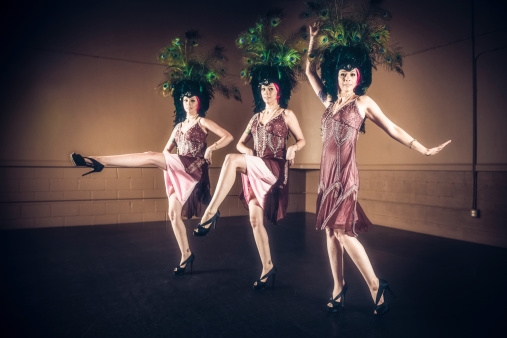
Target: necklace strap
{"x":274,"y":110}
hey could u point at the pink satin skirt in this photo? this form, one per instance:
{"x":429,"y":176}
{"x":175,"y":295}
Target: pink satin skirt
{"x":258,"y":179}
{"x":177,"y":179}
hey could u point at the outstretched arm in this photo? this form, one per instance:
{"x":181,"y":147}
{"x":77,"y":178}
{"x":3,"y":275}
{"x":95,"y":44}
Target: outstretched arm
{"x":375,"y":114}
{"x":311,"y":68}
{"x":225,"y":137}
{"x":292,"y":122}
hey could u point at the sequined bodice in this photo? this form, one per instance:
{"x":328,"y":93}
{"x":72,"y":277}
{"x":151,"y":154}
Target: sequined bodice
{"x":270,"y":139}
{"x":343,"y":125}
{"x":192,"y":142}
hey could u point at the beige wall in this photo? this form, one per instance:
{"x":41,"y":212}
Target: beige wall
{"x":431,"y":202}
{"x":39,"y":197}
{"x":83,"y":79}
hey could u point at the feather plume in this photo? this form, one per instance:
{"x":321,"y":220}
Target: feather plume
{"x":347,"y":24}
{"x":190,"y":72}
{"x":270,"y":56}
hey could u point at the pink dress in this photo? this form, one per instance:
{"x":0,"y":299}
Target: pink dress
{"x":268,"y":171}
{"x":337,"y":205}
{"x":187,"y":172}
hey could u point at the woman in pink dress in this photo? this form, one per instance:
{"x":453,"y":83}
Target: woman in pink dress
{"x":346,"y":73}
{"x":264,"y":169}
{"x":272,"y":66}
{"x":185,"y":173}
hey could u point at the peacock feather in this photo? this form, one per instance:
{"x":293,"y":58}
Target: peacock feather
{"x":263,"y":46}
{"x":270,"y":57}
{"x":350,"y":25}
{"x":183,"y":63}
{"x":187,"y":70}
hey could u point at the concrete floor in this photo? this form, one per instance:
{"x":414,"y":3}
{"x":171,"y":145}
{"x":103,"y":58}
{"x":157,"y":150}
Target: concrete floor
{"x":117,"y":281}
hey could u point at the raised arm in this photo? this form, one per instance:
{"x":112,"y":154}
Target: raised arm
{"x":225,"y":137}
{"x":243,"y":140}
{"x":292,"y":122}
{"x":311,"y":68}
{"x":375,"y":114}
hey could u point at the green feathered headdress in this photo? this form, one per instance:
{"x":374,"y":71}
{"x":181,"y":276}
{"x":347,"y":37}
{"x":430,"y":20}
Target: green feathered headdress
{"x":190,"y":74}
{"x":349,"y":29}
{"x":270,"y":57}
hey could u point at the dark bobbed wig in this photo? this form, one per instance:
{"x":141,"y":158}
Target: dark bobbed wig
{"x":284,"y":78}
{"x":346,"y":58}
{"x":188,"y":88}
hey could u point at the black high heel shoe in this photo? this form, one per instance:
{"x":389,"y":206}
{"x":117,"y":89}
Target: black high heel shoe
{"x":382,"y":309}
{"x":260,"y":285}
{"x":79,"y":161}
{"x":335,"y":305}
{"x":200,"y":230}
{"x":179,"y":270}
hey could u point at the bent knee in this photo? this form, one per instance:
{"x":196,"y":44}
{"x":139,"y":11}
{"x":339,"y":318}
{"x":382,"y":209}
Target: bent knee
{"x":233,"y":159}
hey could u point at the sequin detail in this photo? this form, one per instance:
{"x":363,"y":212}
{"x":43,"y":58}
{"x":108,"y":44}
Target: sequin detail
{"x":192,"y":142}
{"x":339,"y":177}
{"x":270,"y":139}
{"x":191,"y":146}
{"x":270,"y":142}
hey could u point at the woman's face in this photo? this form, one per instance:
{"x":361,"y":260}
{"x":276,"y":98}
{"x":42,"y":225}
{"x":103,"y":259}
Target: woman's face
{"x":190,"y":104}
{"x":269,"y":93}
{"x":347,"y":80}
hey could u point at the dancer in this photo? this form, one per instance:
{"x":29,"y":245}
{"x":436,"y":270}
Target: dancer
{"x":349,"y":47}
{"x":272,"y":67}
{"x":191,"y":83}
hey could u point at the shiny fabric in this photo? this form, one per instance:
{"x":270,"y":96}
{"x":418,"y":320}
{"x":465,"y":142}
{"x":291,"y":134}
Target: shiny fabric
{"x":177,"y":179}
{"x":270,"y":142}
{"x":258,"y":180}
{"x":187,"y":172}
{"x":337,"y":205}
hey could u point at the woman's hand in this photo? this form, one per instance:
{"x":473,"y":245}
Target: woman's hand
{"x":314,"y":28}
{"x":207,"y":155}
{"x":436,"y":150}
{"x":248,"y":151}
{"x":291,"y":154}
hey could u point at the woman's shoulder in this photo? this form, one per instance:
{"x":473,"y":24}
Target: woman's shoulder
{"x":255,"y":115}
{"x":364,"y":99}
{"x":204,"y":124}
{"x":287,"y":112}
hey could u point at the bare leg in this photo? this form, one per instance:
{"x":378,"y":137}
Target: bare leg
{"x":180,"y":232}
{"x":232,"y":164}
{"x":260,"y":235}
{"x":360,"y":258}
{"x":133,"y":160}
{"x":335,"y":253}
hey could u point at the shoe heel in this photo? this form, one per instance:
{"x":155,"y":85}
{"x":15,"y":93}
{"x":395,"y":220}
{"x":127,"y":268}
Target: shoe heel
{"x":179,"y":271}
{"x":88,"y":173}
{"x":217,"y":215}
{"x":273,"y":282}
